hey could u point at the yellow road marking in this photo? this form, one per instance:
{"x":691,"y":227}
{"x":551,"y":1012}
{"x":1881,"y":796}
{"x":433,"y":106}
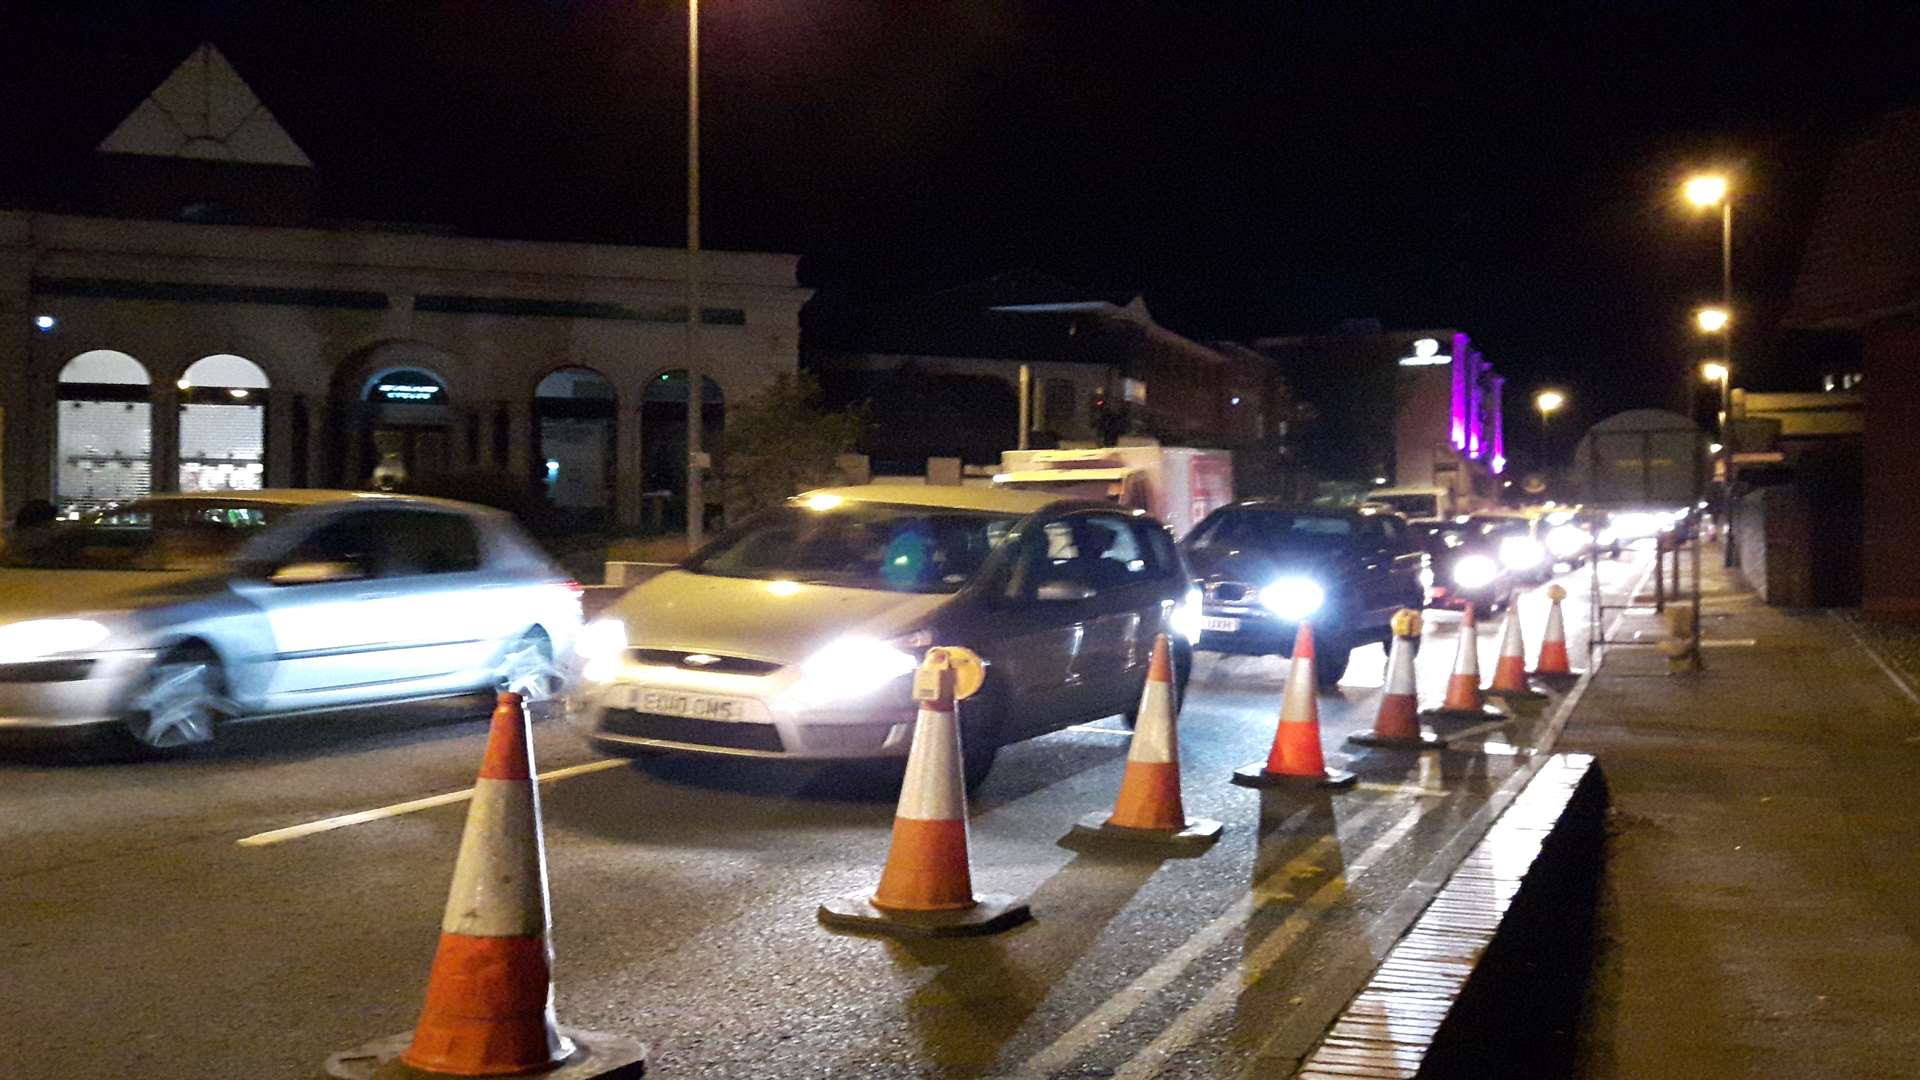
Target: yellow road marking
{"x":295,"y":832}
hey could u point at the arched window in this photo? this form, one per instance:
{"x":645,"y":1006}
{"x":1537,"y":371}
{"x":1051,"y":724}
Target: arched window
{"x":574,"y":411}
{"x":223,"y":424}
{"x":104,"y":431}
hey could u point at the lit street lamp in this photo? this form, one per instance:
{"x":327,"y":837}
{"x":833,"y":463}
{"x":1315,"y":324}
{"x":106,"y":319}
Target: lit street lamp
{"x":1712,"y":320}
{"x":1547,"y":401}
{"x":1705,"y":190}
{"x":1716,"y":371}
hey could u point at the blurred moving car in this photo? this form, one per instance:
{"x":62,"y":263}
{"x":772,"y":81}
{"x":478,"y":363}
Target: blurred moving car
{"x":161,"y":619}
{"x":1466,"y":565}
{"x":1519,"y":542}
{"x":1265,"y":567}
{"x":795,"y":635}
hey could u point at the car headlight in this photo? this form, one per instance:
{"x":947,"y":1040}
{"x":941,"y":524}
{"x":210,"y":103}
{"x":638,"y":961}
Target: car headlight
{"x":1475,"y":571}
{"x":600,"y":644}
{"x":1186,"y":616}
{"x":849,"y":668}
{"x":1521,"y":553}
{"x":1566,"y":541}
{"x":35,"y":638}
{"x":1294,"y":598}
{"x":1426,"y":577}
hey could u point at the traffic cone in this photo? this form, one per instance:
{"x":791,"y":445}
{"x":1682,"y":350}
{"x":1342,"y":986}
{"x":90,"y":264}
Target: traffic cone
{"x":1510,"y":671}
{"x":1149,"y":811}
{"x":1463,"y":700}
{"x":489,"y":1008}
{"x":926,"y":889}
{"x":1398,"y":723}
{"x":1553,"y":665}
{"x":1295,"y":757}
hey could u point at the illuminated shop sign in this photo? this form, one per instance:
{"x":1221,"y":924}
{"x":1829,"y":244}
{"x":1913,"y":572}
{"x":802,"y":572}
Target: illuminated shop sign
{"x":414,"y":387}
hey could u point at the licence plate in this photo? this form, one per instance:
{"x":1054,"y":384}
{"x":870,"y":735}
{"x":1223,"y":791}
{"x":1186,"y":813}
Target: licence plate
{"x":1220,"y":626}
{"x":692,"y":706}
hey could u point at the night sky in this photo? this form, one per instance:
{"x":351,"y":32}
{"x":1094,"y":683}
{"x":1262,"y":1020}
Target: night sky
{"x":1252,"y":169}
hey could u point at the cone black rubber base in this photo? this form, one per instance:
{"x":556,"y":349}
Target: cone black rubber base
{"x":1093,"y":831}
{"x":989,"y":915}
{"x":1528,"y":694}
{"x":1257,"y":776}
{"x":1557,"y":681}
{"x":1426,"y":740}
{"x":596,"y":1056}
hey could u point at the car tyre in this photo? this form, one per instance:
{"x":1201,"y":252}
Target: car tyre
{"x":1330,"y":662}
{"x":528,"y":668}
{"x":980,"y":738}
{"x":179,"y":703}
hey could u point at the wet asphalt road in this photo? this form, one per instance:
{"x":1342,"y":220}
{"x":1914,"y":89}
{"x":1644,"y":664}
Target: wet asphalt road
{"x":141,"y":939}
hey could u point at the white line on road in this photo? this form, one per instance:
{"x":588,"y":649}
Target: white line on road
{"x":1063,"y":1051}
{"x":295,"y":832}
{"x":1096,"y":729}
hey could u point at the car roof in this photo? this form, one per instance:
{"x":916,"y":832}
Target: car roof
{"x":1303,"y":511}
{"x":951,"y":497}
{"x":305,"y":497}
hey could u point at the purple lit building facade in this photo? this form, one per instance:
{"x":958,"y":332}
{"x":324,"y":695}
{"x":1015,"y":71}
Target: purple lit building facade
{"x":1448,"y":428}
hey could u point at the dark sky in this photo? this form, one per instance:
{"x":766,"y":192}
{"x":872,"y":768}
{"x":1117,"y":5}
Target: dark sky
{"x":1252,"y":169}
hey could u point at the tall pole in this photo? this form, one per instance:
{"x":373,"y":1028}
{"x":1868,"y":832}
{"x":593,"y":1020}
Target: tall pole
{"x":1726,"y":334}
{"x":696,"y":377}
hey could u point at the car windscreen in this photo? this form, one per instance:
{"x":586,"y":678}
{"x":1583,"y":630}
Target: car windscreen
{"x":170,"y":534}
{"x":860,"y":545}
{"x":1249,"y":529}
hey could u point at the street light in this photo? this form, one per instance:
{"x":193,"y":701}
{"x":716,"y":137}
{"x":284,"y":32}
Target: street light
{"x":1707,"y":189}
{"x":696,"y":377}
{"x":1547,"y":401}
{"x":1712,"y":320}
{"x":1717,"y":371}
{"x":1704,"y":190}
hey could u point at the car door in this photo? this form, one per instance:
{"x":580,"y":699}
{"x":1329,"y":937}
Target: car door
{"x":450,"y":620}
{"x":1405,"y":588}
{"x":331,"y":622}
{"x":1124,"y":614}
{"x":1035,"y":631}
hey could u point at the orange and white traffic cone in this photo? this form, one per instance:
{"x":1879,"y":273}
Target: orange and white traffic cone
{"x":1464,"y":700}
{"x":489,"y":1009}
{"x":1510,"y":671}
{"x":1553,"y":664}
{"x":1398,"y":722}
{"x":926,"y":889}
{"x":1295,"y":757}
{"x":1149,"y":811}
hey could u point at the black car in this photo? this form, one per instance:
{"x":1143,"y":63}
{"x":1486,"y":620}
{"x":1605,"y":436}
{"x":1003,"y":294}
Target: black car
{"x":1265,"y":567}
{"x":1464,"y":555}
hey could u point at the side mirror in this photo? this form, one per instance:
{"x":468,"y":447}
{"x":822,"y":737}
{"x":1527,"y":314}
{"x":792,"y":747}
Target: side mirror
{"x":315,"y":573}
{"x":1054,"y":592}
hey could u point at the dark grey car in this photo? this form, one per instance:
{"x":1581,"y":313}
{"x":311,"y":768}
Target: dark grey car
{"x":794,"y":636}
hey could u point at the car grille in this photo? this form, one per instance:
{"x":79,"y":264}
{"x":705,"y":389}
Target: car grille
{"x":1231,"y":592}
{"x":685,"y":729}
{"x":729,"y":665}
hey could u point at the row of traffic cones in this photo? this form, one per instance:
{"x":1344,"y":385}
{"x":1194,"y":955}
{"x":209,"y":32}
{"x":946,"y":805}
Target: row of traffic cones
{"x":489,"y":1003}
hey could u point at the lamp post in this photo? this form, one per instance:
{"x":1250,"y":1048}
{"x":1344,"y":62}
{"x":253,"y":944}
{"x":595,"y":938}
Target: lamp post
{"x":696,"y":377}
{"x":1705,"y":190}
{"x":1547,"y":401}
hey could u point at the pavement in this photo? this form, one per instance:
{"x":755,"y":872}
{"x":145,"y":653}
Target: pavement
{"x":1757,"y":913}
{"x":249,"y":910}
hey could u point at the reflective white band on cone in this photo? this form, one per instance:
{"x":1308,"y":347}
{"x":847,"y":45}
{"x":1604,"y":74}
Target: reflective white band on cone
{"x":1153,"y":734}
{"x":933,"y":789}
{"x":499,"y":879}
{"x":1298,"y":703}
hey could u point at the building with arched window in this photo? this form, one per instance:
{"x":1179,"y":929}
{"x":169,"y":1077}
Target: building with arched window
{"x":198,"y":328}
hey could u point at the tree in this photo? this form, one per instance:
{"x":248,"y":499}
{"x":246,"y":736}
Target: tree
{"x":780,"y":442}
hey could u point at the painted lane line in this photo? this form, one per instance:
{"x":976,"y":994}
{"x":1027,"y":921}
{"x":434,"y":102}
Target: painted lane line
{"x":1874,"y":654}
{"x":1221,"y":998}
{"x":1192,"y":1023}
{"x":309,"y":828}
{"x":1096,"y":1025}
{"x":1095,"y":729}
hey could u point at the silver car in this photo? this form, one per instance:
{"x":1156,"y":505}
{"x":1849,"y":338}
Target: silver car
{"x":794,"y":636}
{"x":160,"y":619}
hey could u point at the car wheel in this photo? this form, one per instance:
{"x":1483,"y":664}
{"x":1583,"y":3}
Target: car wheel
{"x":980,"y":736}
{"x":1330,"y":663}
{"x":528,"y":668}
{"x":179,"y":702}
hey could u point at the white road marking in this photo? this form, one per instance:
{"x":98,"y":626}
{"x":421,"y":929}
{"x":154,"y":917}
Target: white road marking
{"x":295,"y":832}
{"x":1096,"y":729}
{"x":1879,"y":661}
{"x":1221,"y":997}
{"x":1063,"y":1051}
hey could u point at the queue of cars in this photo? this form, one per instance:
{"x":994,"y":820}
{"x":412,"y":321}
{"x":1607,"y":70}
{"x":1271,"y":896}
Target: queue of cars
{"x":793,"y":635}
